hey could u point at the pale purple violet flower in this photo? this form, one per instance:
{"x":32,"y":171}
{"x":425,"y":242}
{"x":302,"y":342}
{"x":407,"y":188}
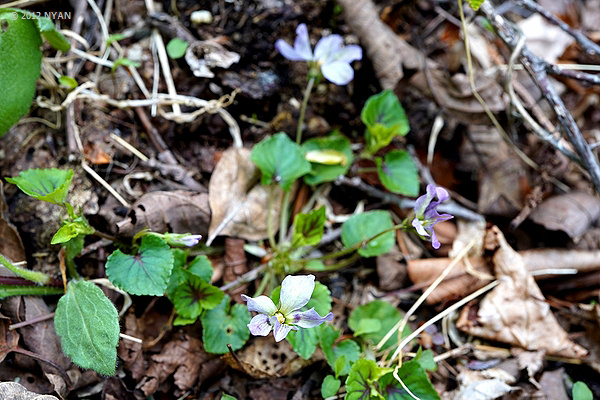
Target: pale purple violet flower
{"x":182,"y":239}
{"x":426,"y":215}
{"x":295,"y":294}
{"x":330,"y":55}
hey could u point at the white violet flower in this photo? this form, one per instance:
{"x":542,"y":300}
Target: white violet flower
{"x":295,"y":294}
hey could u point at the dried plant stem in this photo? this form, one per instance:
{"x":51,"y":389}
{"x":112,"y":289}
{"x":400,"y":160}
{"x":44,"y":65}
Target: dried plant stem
{"x":307,"y":92}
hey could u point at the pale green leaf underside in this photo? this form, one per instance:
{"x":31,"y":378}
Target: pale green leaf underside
{"x":88,"y":326}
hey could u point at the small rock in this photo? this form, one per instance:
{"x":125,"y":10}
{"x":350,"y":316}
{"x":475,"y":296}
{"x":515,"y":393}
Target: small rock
{"x":201,"y":17}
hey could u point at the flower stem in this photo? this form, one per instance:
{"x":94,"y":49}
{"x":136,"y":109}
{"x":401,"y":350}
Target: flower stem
{"x":270,"y":232}
{"x":34,"y":276}
{"x":284,"y":216}
{"x":263,"y":283}
{"x":307,"y":91}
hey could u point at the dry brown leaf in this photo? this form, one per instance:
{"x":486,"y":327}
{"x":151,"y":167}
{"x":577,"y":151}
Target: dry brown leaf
{"x":391,"y":270}
{"x":175,"y":212}
{"x":9,"y":340}
{"x":552,"y":384}
{"x":238,"y":203}
{"x":11,"y":245}
{"x":15,"y":391}
{"x":131,"y":352}
{"x":181,"y":358}
{"x":264,"y":358}
{"x":572,"y":213}
{"x":515,"y":312}
{"x":235,"y":265}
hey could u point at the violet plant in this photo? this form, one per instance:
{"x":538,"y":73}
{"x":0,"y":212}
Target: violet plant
{"x":426,"y":214}
{"x":331,"y":59}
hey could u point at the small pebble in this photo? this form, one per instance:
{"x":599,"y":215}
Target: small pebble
{"x":201,"y":17}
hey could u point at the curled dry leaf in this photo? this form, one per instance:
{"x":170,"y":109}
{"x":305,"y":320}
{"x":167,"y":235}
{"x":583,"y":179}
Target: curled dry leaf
{"x":237,"y":200}
{"x":572,"y":213}
{"x":175,"y":212}
{"x":15,"y":391}
{"x":203,"y":55}
{"x":515,"y":312}
{"x":265,"y":358}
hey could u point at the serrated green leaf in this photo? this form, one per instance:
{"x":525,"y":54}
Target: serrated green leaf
{"x":71,"y":229}
{"x":280,"y":160}
{"x":308,"y":228}
{"x":475,"y":4}
{"x":582,"y":392}
{"x":51,"y":185}
{"x":20,"y":62}
{"x":363,"y":226}
{"x":304,"y":341}
{"x":323,"y":172}
{"x":362,"y":380}
{"x":330,"y":386}
{"x":176,"y":48}
{"x":398,"y":172}
{"x":225,"y":325}
{"x":195,"y":295}
{"x":88,"y":326}
{"x":146,"y":273}
{"x":67,"y":82}
{"x":384,"y":118}
{"x":416,"y":380}
{"x":388,"y":316}
{"x":200,"y":266}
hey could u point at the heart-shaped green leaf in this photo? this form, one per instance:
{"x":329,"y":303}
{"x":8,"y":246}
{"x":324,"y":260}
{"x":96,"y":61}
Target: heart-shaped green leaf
{"x":280,"y":160}
{"x":330,"y":386}
{"x":388,"y":316}
{"x":146,"y":273}
{"x":363,"y":226}
{"x":88,"y":325}
{"x":200,"y":266}
{"x":308,"y":228}
{"x":398,"y":172}
{"x":51,"y":185}
{"x":385,"y":118}
{"x":304,"y":341}
{"x":225,"y":325}
{"x":194,"y":295}
{"x":323,"y":172}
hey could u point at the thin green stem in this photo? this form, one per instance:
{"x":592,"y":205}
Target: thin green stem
{"x":20,"y":290}
{"x":339,"y":265}
{"x":307,"y":91}
{"x":33,"y":276}
{"x":284,"y":216}
{"x":358,"y":245}
{"x":270,"y":232}
{"x":263,"y":283}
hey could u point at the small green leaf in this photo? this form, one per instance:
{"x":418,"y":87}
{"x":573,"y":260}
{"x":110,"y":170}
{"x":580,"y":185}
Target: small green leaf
{"x":52,"y":36}
{"x":321,"y":172}
{"x":71,"y":229}
{"x":181,"y":321}
{"x":304,"y":341}
{"x":194,"y":295}
{"x":51,"y":185}
{"x":280,"y":160}
{"x":115,"y":37}
{"x":362,"y":380}
{"x":227,"y":397}
{"x":388,"y":316}
{"x":225,"y":325}
{"x":124,"y":62}
{"x":475,"y":4}
{"x":67,"y":82}
{"x":88,"y":326}
{"x":176,"y":48}
{"x":340,"y":363}
{"x":385,"y":118}
{"x":416,"y":380}
{"x":425,"y":359}
{"x":398,"y":172}
{"x":348,"y":349}
{"x":330,"y":386}
{"x":146,"y":273}
{"x":367,"y":325}
{"x":582,"y":392}
{"x":363,"y":226}
{"x":308,"y":228}
{"x":200,"y":266}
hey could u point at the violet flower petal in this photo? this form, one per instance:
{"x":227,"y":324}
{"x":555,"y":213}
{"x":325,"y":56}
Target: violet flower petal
{"x":295,"y":292}
{"x":310,"y":318}
{"x":302,"y":43}
{"x":260,"y":304}
{"x":435,"y":243}
{"x":338,"y":72}
{"x":288,"y":51}
{"x":327,"y":47}
{"x":259,"y":325}
{"x":280,"y":331}
{"x":349,"y":53}
{"x":418,"y":225}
